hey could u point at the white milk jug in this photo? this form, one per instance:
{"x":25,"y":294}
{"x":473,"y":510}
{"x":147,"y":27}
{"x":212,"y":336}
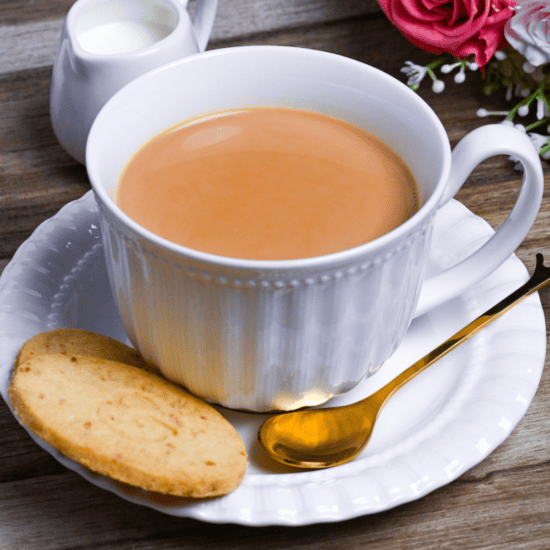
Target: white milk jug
{"x":107,"y":43}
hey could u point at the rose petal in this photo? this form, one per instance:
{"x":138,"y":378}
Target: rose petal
{"x":461,"y":27}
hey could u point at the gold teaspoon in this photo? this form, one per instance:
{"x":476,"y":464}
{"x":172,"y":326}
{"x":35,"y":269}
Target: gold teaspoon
{"x":321,"y":438}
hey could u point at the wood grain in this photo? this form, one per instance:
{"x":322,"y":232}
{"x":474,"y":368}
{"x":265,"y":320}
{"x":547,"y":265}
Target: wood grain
{"x":502,"y":503}
{"x":33,"y":39}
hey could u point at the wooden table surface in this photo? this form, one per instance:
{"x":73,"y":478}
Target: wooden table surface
{"x":502,"y":503}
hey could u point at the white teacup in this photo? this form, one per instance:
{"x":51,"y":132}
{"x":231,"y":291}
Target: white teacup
{"x":105,"y":44}
{"x":265,"y":335}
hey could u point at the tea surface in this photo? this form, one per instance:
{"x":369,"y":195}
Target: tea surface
{"x":267,"y":184}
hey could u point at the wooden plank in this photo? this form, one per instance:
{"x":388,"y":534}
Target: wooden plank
{"x":15,"y":12}
{"x":36,"y":175}
{"x":483,"y":514}
{"x":33,"y":38}
{"x":260,"y":15}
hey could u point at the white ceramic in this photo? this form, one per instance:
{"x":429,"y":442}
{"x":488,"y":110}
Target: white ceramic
{"x":105,"y":44}
{"x":471,"y":400}
{"x":266,"y":335}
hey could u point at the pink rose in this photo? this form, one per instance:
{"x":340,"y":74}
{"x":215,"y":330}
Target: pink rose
{"x":528,"y":31}
{"x":461,"y":27}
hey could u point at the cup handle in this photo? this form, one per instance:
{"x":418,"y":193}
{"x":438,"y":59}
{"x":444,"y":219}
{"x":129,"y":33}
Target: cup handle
{"x":203,"y":21}
{"x":482,"y":143}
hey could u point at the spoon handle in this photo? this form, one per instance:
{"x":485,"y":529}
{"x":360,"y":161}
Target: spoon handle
{"x":540,"y":278}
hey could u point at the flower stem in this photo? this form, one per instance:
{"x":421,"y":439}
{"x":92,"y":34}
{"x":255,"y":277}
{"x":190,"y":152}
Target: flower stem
{"x":434,"y":64}
{"x":537,"y":123}
{"x":537,"y":94}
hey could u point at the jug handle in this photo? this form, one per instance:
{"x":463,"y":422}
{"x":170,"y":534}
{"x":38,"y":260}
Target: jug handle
{"x":203,"y":20}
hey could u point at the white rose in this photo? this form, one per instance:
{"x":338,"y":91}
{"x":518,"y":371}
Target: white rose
{"x":528,"y":31}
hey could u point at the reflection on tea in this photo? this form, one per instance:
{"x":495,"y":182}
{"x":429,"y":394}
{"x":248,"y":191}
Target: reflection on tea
{"x":267,"y":184}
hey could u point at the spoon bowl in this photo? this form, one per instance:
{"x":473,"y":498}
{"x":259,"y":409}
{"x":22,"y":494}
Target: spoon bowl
{"x":321,"y":438}
{"x":307,"y":438}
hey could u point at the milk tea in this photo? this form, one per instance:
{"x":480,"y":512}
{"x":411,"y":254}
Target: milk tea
{"x":267,"y":184}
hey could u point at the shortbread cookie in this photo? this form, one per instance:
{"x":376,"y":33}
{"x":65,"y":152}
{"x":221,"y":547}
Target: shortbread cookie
{"x":129,"y":424}
{"x":81,"y":342}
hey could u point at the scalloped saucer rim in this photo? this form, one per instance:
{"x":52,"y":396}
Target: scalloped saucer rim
{"x":58,"y":278}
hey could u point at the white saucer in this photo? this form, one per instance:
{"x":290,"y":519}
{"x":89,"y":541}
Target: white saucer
{"x":444,"y":422}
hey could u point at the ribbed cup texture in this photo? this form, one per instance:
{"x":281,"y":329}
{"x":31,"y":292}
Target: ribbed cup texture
{"x":269,"y":339}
